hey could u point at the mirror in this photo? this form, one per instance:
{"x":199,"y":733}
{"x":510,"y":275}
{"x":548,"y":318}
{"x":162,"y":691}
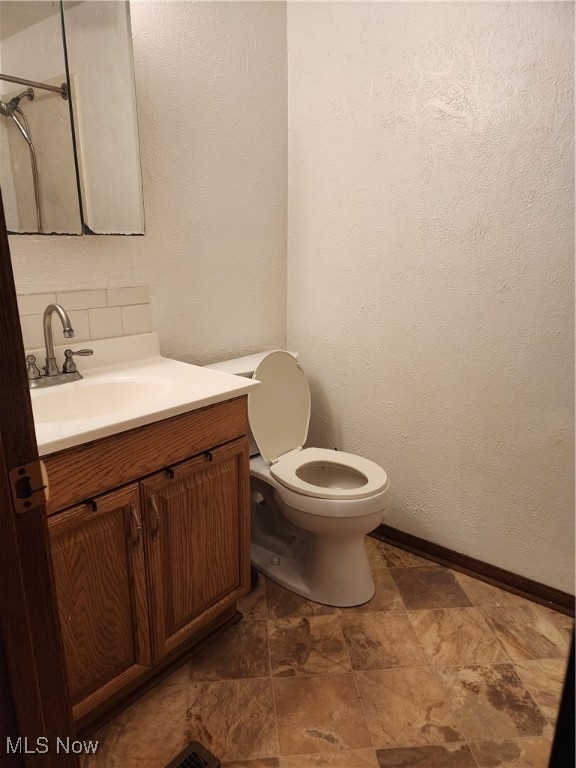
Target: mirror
{"x":69,"y":151}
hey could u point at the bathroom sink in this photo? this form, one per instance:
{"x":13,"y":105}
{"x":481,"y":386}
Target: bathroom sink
{"x":126,"y":384}
{"x":95,"y":400}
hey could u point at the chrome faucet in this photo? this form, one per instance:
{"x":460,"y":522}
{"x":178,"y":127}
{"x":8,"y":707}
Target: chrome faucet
{"x":52,"y":375}
{"x":51,"y":367}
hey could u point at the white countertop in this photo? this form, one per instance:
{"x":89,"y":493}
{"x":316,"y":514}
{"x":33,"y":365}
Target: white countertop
{"x":126,"y":384}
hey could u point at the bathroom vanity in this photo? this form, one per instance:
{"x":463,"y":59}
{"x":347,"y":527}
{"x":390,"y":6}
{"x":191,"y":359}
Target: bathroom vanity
{"x":149,"y":532}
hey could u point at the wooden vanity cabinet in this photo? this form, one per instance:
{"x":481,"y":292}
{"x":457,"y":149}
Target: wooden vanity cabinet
{"x":193,"y":519}
{"x":146,"y":570}
{"x":100,"y":574}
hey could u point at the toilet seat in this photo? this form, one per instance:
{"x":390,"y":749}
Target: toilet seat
{"x":279,"y":414}
{"x":364,"y":477}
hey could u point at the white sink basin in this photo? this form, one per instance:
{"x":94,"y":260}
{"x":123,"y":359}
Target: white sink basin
{"x":126,"y":384}
{"x":91,"y":401}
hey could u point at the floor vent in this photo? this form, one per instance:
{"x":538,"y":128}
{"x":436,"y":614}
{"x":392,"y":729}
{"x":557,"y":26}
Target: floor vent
{"x":195,"y":756}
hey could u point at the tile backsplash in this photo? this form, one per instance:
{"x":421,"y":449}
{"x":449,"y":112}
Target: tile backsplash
{"x":94,"y":314}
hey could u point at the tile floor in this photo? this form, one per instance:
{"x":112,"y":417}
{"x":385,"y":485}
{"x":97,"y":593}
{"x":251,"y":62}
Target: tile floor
{"x":438,"y":670}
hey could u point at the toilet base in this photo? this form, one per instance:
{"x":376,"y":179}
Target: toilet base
{"x":327,"y":570}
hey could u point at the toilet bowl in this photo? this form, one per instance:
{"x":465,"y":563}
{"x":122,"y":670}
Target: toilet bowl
{"x":310,"y":507}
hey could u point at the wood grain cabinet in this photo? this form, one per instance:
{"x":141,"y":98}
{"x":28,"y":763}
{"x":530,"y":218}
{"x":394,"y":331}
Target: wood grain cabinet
{"x":147,"y":569}
{"x":100,"y":573}
{"x":192,"y":534}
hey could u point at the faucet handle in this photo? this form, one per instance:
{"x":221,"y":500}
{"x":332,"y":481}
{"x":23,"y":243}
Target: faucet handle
{"x":32,"y":370}
{"x":69,"y":364}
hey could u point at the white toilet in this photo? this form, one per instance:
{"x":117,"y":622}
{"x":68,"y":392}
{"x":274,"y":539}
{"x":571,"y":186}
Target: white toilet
{"x":310,"y":507}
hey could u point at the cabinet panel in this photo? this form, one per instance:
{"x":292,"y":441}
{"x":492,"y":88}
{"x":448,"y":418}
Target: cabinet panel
{"x":99,"y":569}
{"x":82,"y":472}
{"x":197,"y":542}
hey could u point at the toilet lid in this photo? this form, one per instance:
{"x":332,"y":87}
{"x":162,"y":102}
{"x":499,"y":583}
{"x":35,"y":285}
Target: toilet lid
{"x":279,"y":410}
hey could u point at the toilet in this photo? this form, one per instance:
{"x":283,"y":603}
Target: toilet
{"x":310,"y":507}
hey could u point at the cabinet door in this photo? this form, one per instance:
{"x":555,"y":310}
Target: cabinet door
{"x":197,"y":540}
{"x":98,"y":558}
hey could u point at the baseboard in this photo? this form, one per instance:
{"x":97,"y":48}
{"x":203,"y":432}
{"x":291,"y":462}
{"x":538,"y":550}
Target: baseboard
{"x":498,"y":577}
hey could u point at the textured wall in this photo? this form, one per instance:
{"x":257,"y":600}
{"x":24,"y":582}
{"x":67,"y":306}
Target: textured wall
{"x":430,"y":243}
{"x":430,"y":275}
{"x":211,"y":90}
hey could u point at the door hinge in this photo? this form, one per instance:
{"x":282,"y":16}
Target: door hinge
{"x":29,"y":485}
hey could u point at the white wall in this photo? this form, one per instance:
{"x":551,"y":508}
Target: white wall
{"x":430,"y":241}
{"x":211,"y":92}
{"x":431,"y":257}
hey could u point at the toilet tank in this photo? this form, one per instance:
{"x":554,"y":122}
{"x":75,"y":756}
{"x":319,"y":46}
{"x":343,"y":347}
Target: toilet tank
{"x":245,"y":366}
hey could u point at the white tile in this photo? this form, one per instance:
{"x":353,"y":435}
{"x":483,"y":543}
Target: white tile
{"x":79,"y":322}
{"x":32,"y":331}
{"x":81,"y":299}
{"x":136,"y":319}
{"x":105,"y":322}
{"x":121,"y":296}
{"x":34,"y":303}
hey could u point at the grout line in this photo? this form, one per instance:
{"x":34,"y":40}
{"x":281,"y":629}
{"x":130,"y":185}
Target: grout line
{"x":338,"y":617}
{"x":462,"y":743}
{"x":366,"y":721}
{"x":421,"y":745}
{"x":515,"y":738}
{"x":420,"y":643}
{"x":271,"y":678}
{"x":494,"y":635}
{"x":360,"y":698}
{"x":474,"y":758}
{"x":490,"y":634}
{"x":436,"y":671}
{"x":331,"y":674}
{"x":424,"y":745}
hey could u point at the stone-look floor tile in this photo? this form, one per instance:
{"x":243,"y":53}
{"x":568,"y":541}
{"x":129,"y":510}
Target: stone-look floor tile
{"x":383,"y":555}
{"x":380,"y":640}
{"x":433,"y":587}
{"x":565,"y":624}
{"x":133,"y":737}
{"x":319,"y":714}
{"x":406,"y":707}
{"x":513,"y":753}
{"x":233,"y":719}
{"x":283,"y":604}
{"x":455,"y":636}
{"x":432,"y":756}
{"x":483,"y":594}
{"x":236,"y":718}
{"x":386,"y":597}
{"x":544,"y":678}
{"x":109,"y":737}
{"x":311,"y":645}
{"x":253,"y":605}
{"x":357,"y":758}
{"x":492,"y":702}
{"x":265,"y":762}
{"x":527,"y":632}
{"x":242,"y":651}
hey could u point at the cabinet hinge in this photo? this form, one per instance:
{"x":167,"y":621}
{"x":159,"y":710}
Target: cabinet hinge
{"x":29,"y":485}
